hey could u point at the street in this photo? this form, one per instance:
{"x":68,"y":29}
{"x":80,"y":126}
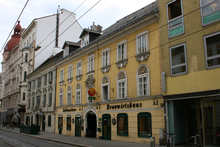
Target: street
{"x":9,"y":139}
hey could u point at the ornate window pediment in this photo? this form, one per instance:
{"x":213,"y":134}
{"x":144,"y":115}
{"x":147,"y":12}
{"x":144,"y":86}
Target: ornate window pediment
{"x":90,"y":81}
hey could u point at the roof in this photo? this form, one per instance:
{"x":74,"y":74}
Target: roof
{"x":70,"y":43}
{"x":88,"y":31}
{"x":122,"y":23}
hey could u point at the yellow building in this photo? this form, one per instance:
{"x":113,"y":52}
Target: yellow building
{"x":121,"y":67}
{"x":190,"y":52}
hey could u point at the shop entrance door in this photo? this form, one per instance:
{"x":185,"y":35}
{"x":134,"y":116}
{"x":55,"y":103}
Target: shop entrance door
{"x":106,"y":127}
{"x":60,"y":124}
{"x":43,"y":123}
{"x":78,"y":126}
{"x":91,"y":125}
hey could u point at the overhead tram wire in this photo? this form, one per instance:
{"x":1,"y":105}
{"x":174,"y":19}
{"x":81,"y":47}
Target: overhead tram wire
{"x":14,"y":25}
{"x":67,"y":28}
{"x":62,"y":22}
{"x":148,"y":33}
{"x":150,"y":49}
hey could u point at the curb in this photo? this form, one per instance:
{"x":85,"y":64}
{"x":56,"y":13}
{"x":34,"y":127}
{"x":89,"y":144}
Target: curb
{"x":59,"y":141}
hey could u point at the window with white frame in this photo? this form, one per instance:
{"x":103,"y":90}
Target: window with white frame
{"x":39,"y":82}
{"x":45,"y":79}
{"x":212,"y":50}
{"x":62,"y":75}
{"x":79,"y":68}
{"x":33,"y":99}
{"x":70,"y":71}
{"x":66,"y":51}
{"x":175,"y":18}
{"x":105,"y":88}
{"x":85,"y":40}
{"x":122,"y":50}
{"x":44,"y":100}
{"x":143,"y":87}
{"x":178,"y":60}
{"x":142,"y":43}
{"x":69,"y":95}
{"x":122,"y":85}
{"x":210,"y":11}
{"x":61,"y":97}
{"x":90,"y":63}
{"x":78,"y":93}
{"x":106,"y":57}
{"x":50,"y":99}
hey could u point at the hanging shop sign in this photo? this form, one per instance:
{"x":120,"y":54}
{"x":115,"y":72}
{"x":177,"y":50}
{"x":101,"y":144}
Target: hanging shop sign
{"x":125,"y":105}
{"x":66,"y":110}
{"x":91,"y":93}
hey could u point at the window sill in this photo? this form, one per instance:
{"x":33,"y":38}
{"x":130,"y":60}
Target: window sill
{"x":106,"y":69}
{"x":122,"y":63}
{"x":70,"y":80}
{"x":78,"y":77}
{"x":122,"y":134}
{"x":61,"y":83}
{"x":142,"y":56}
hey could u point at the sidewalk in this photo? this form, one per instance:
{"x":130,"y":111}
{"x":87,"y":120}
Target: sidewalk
{"x":80,"y":141}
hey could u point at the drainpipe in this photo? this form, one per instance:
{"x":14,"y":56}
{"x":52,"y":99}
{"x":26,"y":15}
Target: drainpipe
{"x":55,"y":98}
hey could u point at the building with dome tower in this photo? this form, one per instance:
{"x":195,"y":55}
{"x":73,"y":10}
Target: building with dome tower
{"x":11,"y":77}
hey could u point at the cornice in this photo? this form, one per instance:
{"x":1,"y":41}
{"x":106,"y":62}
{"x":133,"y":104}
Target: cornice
{"x":147,"y":21}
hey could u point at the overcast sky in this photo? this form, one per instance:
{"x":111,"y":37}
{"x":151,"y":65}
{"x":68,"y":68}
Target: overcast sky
{"x":105,"y":13}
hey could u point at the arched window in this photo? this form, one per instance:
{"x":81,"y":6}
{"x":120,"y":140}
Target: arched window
{"x":78,"y":93}
{"x":61,"y":97}
{"x":122,"y":85}
{"x":143,"y":87}
{"x":105,"y":88}
{"x":69,"y":95}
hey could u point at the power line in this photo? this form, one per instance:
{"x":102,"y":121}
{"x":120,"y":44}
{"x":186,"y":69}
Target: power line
{"x":15,"y":24}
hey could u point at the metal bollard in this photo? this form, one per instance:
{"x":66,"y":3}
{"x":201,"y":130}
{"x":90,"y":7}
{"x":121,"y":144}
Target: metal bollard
{"x":152,"y":143}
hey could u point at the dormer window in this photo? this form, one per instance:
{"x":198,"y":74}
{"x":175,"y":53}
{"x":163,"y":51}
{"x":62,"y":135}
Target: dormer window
{"x":66,"y":51}
{"x":85,"y":41}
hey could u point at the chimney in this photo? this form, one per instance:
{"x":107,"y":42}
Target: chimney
{"x":57,"y":26}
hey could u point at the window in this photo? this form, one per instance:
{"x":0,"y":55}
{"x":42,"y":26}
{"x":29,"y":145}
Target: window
{"x":78,"y":93}
{"x":144,"y":125}
{"x":66,"y":51}
{"x":62,"y":75}
{"x":106,"y":57}
{"x":70,"y":71}
{"x":61,"y":97}
{"x":175,"y":18}
{"x":142,"y":44}
{"x":49,"y":121}
{"x":29,"y":86}
{"x":44,"y":102}
{"x":50,"y":99}
{"x":23,"y":96}
{"x":45,"y":79}
{"x":105,"y":88}
{"x":212,"y":50}
{"x":33,"y":84}
{"x":122,"y":124}
{"x":32,"y":101}
{"x":50,"y":77}
{"x":38,"y":101}
{"x":25,"y":75}
{"x":26,"y":57}
{"x":122,"y":50}
{"x":122,"y":85}
{"x":29,"y":103}
{"x":178,"y":64}
{"x":210,"y":11}
{"x":38,"y":82}
{"x":68,"y":125}
{"x":85,"y":40}
{"x":69,"y":95}
{"x":91,"y":63}
{"x":79,"y":68}
{"x":143,"y":81}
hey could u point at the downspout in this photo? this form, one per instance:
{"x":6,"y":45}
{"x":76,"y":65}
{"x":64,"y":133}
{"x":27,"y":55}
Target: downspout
{"x":55,"y":98}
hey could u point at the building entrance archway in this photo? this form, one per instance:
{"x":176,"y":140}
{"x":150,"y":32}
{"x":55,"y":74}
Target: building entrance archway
{"x":91,"y":124}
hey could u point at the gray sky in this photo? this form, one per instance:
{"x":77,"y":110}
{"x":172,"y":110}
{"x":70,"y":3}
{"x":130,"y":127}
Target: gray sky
{"x":105,"y":13}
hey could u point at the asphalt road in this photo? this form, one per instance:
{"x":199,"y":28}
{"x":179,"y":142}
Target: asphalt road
{"x":9,"y":139}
